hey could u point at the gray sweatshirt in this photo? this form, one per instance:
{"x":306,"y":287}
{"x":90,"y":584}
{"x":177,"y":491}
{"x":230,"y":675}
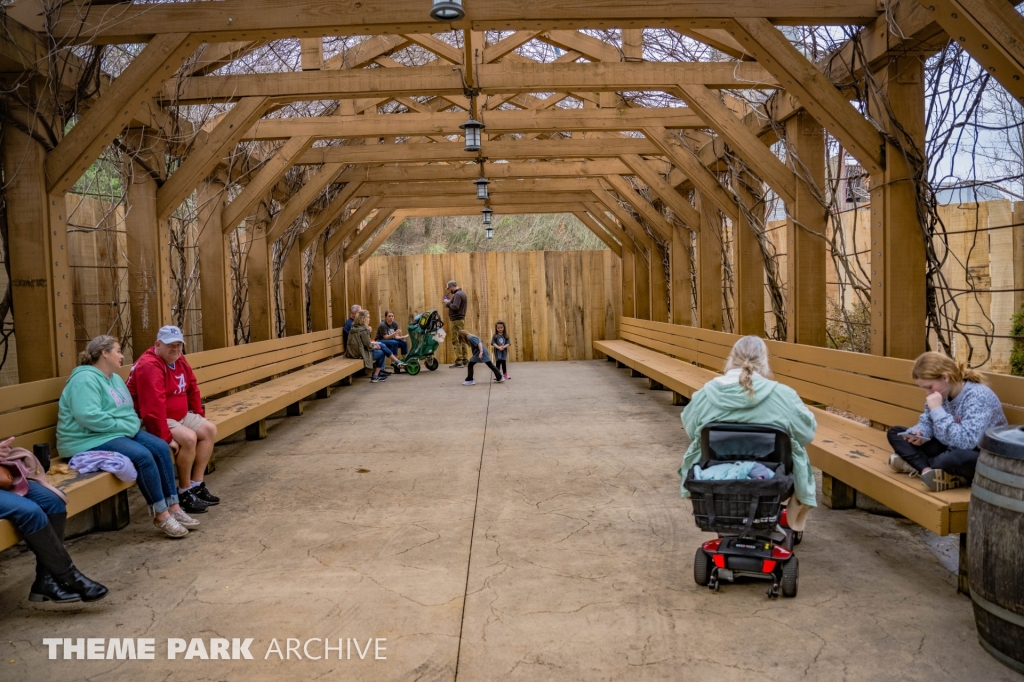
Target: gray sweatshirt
{"x":962,"y":421}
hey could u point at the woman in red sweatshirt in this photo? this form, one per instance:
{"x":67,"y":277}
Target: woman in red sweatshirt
{"x":166,"y":396}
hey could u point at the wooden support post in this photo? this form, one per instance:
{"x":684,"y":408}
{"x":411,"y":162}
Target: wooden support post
{"x":318,"y":290}
{"x":339,"y":309}
{"x":353,"y":285}
{"x":963,"y":585}
{"x":628,"y":282}
{"x":836,"y":494}
{"x":748,"y":265}
{"x":323,"y":394}
{"x":659,"y":287}
{"x":257,"y":431}
{"x":347,"y":381}
{"x":214,"y":268}
{"x":112,"y":513}
{"x":257,"y":273}
{"x":679,"y":400}
{"x":1018,"y":255}
{"x":709,"y":257}
{"x":655,"y":385}
{"x":293,"y":283}
{"x":211,"y":466}
{"x":682,"y":283}
{"x":805,"y":232}
{"x":312,"y":54}
{"x":149,"y":247}
{"x":37,"y":254}
{"x":636,"y":374}
{"x":620,"y":365}
{"x":294,"y":409}
{"x":898,"y":291}
{"x":642,"y":272}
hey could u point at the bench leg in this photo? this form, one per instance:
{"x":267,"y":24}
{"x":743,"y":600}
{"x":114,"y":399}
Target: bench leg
{"x":679,"y":400}
{"x":347,"y":381}
{"x":323,"y":393}
{"x":112,"y":513}
{"x":619,"y":365}
{"x":655,"y":385}
{"x":257,"y":431}
{"x":962,"y":584}
{"x":836,"y":494}
{"x":211,"y":466}
{"x":295,"y":409}
{"x":635,"y":374}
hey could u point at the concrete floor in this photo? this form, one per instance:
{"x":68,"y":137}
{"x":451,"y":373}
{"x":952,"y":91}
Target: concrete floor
{"x":557,"y":492}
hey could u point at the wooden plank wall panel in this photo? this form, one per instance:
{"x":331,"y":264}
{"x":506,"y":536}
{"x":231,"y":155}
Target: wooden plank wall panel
{"x":554,"y":303}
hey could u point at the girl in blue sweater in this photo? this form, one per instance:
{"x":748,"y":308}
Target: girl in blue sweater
{"x":959,"y":410}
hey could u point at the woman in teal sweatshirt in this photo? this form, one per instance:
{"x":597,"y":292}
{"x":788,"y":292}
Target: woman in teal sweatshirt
{"x":746,"y":394}
{"x":95,"y":412}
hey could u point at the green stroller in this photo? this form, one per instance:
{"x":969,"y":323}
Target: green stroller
{"x":423,"y":342}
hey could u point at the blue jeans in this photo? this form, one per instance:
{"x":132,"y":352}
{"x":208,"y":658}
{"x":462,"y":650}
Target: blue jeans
{"x":29,"y":513}
{"x":393,"y":346}
{"x":152,"y":459}
{"x":378,"y":359}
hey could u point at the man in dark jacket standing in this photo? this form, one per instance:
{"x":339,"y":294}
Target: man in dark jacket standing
{"x":167,"y":400}
{"x":455,"y":301}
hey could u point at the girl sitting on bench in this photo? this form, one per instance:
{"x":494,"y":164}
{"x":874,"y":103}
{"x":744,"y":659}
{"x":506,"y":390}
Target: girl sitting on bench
{"x":959,"y":409}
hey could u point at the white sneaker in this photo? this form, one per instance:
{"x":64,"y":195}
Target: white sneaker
{"x":900,"y":466}
{"x":171,"y":527}
{"x":469,"y":383}
{"x":184,"y":519}
{"x":500,"y":381}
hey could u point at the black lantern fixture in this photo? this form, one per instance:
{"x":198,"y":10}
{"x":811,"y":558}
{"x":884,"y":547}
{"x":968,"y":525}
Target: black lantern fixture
{"x":490,"y":232}
{"x":472,"y":129}
{"x":447,"y":10}
{"x":481,"y":189}
{"x":487,"y":216}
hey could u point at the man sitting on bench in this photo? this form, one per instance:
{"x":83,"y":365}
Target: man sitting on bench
{"x":166,"y":396}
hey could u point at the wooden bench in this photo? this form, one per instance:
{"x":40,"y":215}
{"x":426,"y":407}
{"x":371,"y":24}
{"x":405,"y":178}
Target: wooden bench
{"x":253,"y":381}
{"x":852,"y":456}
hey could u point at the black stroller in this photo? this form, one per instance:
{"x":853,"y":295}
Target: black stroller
{"x":754,"y":540}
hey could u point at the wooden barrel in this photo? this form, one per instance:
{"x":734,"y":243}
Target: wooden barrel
{"x":995,"y":530}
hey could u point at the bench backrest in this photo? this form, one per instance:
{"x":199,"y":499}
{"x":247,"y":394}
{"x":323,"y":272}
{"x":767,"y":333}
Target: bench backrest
{"x":29,"y":411}
{"x":877,"y":388}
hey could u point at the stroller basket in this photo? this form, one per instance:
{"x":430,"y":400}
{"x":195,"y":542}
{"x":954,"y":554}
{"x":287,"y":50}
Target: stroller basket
{"x":739,"y":506}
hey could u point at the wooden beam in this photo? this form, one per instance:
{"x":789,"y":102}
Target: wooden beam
{"x":268,"y":176}
{"x":495,"y":52}
{"x":311,"y":53}
{"x":748,"y":262}
{"x":350,"y":224}
{"x":629,"y":224}
{"x":680,"y":206}
{"x":682,"y":282}
{"x":743,"y":142}
{"x":135,"y":87}
{"x":498,"y":122}
{"x":122,"y":23}
{"x":259,"y":284}
{"x":437,"y":46}
{"x":366,"y":51}
{"x":351,"y":250}
{"x":503,"y":77}
{"x":464,"y":190}
{"x":709,"y":266}
{"x":642,"y":206}
{"x":816,"y":93}
{"x":293,"y":289}
{"x":554,"y":200}
{"x":805,"y":237}
{"x":301,"y":200}
{"x":599,"y":231}
{"x":201,"y":161}
{"x":493,"y":171}
{"x":711,"y":189}
{"x":339,"y":307}
{"x":397,"y":218}
{"x":455,"y":151}
{"x":334,"y":209}
{"x":214,"y":268}
{"x":318,"y":291}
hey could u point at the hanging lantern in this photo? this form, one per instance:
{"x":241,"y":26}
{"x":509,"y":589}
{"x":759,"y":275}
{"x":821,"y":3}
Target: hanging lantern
{"x":487,"y":216}
{"x":472,"y":129}
{"x":490,"y":232}
{"x":447,"y":10}
{"x":481,"y":189}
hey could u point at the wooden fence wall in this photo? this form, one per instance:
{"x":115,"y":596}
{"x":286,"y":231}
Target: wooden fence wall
{"x":555,"y":303}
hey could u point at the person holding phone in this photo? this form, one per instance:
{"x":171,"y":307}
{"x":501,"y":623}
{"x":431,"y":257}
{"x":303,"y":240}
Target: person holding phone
{"x":959,"y":409}
{"x":455,"y":302}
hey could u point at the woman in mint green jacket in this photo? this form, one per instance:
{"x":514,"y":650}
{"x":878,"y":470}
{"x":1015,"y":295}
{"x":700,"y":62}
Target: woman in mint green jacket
{"x":95,"y":412}
{"x":746,"y":394}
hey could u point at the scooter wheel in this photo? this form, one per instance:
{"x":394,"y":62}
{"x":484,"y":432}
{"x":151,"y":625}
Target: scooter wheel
{"x":702,"y":568}
{"x":432,"y":363}
{"x":790,"y":578}
{"x":413,"y":368}
{"x":798,"y":537}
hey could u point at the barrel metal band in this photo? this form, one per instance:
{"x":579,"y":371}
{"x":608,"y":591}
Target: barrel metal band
{"x":997,"y":611}
{"x":998,"y":476}
{"x":1001,"y":657}
{"x":997,"y":499}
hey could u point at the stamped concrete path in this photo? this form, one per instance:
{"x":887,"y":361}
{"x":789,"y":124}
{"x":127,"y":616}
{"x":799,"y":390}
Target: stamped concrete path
{"x":525,"y":531}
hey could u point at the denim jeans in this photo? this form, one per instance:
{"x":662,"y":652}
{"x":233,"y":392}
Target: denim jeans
{"x":934,"y":455}
{"x":29,"y":513}
{"x":378,"y":359}
{"x":152,"y":459}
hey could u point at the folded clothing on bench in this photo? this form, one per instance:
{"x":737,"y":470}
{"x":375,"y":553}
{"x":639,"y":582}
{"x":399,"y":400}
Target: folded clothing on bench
{"x":102,"y":460}
{"x":733,"y":471}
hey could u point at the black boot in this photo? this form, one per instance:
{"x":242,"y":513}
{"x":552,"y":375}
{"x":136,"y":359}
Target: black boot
{"x":57,"y":579}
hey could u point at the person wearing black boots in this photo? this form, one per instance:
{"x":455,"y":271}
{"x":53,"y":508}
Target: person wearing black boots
{"x":38,"y":512}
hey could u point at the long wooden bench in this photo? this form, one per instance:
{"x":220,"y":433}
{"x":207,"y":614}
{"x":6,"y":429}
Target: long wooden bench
{"x":241,"y":386}
{"x":852,"y":455}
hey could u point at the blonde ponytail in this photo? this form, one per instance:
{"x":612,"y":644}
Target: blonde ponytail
{"x":750,"y":356}
{"x":932,"y":366}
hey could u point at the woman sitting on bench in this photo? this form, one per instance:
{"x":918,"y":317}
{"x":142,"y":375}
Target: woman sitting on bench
{"x":38,"y":512}
{"x":746,"y":394}
{"x":96,"y":413}
{"x":959,"y":409}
